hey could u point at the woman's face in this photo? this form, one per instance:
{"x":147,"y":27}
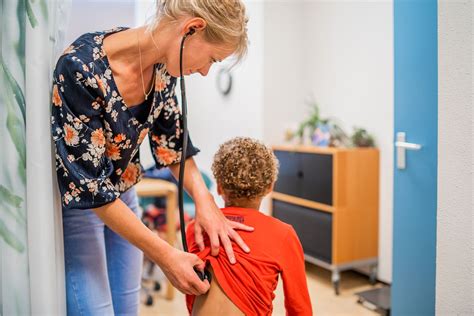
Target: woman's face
{"x":198,"y":55}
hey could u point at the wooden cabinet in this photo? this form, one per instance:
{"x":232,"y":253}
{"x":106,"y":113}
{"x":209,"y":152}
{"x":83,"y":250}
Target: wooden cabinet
{"x":331,"y":198}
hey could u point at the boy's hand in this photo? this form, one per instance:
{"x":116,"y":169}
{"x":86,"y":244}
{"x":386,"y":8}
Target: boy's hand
{"x":209,"y":219}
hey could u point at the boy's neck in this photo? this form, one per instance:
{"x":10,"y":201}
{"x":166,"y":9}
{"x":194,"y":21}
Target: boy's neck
{"x":252,"y":204}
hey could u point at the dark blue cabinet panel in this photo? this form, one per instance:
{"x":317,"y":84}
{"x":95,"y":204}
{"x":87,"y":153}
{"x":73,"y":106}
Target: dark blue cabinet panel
{"x":307,"y":176}
{"x":314,"y":228}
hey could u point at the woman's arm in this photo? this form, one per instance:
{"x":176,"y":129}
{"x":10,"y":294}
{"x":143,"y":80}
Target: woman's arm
{"x":209,"y":217}
{"x":177,"y":265}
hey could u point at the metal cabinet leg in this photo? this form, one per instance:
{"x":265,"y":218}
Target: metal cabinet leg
{"x":373,"y":274}
{"x":335,"y":277}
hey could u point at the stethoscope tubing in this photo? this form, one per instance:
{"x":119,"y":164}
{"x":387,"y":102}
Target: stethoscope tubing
{"x":184,"y":109}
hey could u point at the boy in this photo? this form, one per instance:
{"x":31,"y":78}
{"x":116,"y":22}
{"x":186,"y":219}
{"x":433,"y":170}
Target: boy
{"x":245,"y":171}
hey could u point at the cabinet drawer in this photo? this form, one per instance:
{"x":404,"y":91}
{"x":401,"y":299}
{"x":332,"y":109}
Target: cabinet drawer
{"x":289,"y":175}
{"x":314,"y":228}
{"x":307,"y":176}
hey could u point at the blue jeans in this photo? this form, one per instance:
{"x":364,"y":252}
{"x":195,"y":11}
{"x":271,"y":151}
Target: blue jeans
{"x":103,"y":270}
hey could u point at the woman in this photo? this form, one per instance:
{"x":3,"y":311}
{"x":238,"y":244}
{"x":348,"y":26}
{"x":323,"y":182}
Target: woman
{"x":110,"y":90}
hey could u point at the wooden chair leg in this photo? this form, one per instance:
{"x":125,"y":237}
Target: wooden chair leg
{"x":171,"y":203}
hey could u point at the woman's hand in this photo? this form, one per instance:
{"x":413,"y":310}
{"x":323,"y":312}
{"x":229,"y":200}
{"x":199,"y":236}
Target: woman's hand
{"x":178,"y":268}
{"x":209,"y":219}
{"x":177,"y":265}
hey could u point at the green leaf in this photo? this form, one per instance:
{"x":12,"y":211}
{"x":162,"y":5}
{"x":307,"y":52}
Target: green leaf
{"x":10,"y":238}
{"x":22,"y":171}
{"x":31,"y":15}
{"x":19,"y":216}
{"x":8,"y":200}
{"x":15,"y":126}
{"x":15,"y":87}
{"x":20,"y":48}
{"x":17,"y":134}
{"x":44,"y":9}
{"x":8,"y":197}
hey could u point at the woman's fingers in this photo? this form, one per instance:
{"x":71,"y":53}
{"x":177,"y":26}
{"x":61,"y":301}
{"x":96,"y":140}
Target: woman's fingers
{"x":240,"y":226}
{"x":198,"y":236}
{"x":220,"y":231}
{"x":214,"y":239}
{"x":227,"y":244}
{"x":224,"y":237}
{"x":199,"y":264}
{"x":236,"y":237}
{"x":198,"y":285}
{"x":201,"y":287}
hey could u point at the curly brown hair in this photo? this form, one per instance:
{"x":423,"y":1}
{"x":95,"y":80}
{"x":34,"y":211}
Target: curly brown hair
{"x":244,"y":168}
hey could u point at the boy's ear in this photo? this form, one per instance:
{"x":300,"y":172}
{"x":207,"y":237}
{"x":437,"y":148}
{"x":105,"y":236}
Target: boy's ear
{"x":270,"y":188}
{"x":219,"y":189}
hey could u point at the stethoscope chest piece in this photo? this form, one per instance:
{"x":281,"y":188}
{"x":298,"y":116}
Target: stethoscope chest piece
{"x":204,"y":275}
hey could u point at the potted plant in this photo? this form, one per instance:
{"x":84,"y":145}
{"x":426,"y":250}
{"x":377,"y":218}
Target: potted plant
{"x":361,"y":138}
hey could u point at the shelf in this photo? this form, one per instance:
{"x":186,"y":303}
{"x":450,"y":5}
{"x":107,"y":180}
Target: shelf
{"x":302,"y":202}
{"x":320,"y":150}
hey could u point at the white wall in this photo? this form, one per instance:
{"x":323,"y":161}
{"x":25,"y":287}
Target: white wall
{"x":283,"y":68}
{"x":99,"y":15}
{"x":455,"y":240}
{"x":346,"y":48}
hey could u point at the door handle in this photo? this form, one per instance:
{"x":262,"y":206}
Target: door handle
{"x":402,"y":147}
{"x":409,"y":146}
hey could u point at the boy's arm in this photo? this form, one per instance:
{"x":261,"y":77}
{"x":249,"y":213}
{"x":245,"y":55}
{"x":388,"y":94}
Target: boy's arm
{"x":297,"y":301}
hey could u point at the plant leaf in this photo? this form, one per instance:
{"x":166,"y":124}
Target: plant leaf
{"x":22,"y":171}
{"x":31,"y":15}
{"x":8,"y":200}
{"x":20,"y":45}
{"x":10,"y":238}
{"x":18,"y":215}
{"x":15,"y":126}
{"x":15,"y":87}
{"x":17,"y":134}
{"x":44,"y":9}
{"x":8,"y":197}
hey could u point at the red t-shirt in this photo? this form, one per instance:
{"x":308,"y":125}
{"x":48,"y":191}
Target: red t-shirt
{"x":274,"y":249}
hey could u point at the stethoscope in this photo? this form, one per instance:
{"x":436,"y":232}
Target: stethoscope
{"x":205,"y":275}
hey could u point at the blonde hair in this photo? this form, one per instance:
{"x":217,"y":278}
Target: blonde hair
{"x":244,"y":168}
{"x":226,"y":20}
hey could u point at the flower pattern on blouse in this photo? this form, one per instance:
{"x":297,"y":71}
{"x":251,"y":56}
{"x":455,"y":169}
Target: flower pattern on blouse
{"x":96,"y":136}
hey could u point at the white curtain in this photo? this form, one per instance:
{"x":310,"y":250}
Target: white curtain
{"x":14,"y":287}
{"x":31,"y":252}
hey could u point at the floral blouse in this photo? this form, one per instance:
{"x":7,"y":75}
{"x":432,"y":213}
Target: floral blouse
{"x":96,"y":136}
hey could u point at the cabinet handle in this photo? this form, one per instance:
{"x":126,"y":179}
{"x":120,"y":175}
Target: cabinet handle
{"x":300,"y":174}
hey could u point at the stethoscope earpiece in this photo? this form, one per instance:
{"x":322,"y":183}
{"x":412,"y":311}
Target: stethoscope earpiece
{"x":190,"y":32}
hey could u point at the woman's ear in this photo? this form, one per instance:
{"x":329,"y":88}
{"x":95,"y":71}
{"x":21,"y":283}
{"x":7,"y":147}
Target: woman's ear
{"x":198,"y":24}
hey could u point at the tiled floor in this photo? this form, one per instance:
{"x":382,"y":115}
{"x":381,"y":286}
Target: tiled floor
{"x":320,"y":288}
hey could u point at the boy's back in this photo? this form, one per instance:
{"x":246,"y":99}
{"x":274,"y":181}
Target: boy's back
{"x":250,"y":283}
